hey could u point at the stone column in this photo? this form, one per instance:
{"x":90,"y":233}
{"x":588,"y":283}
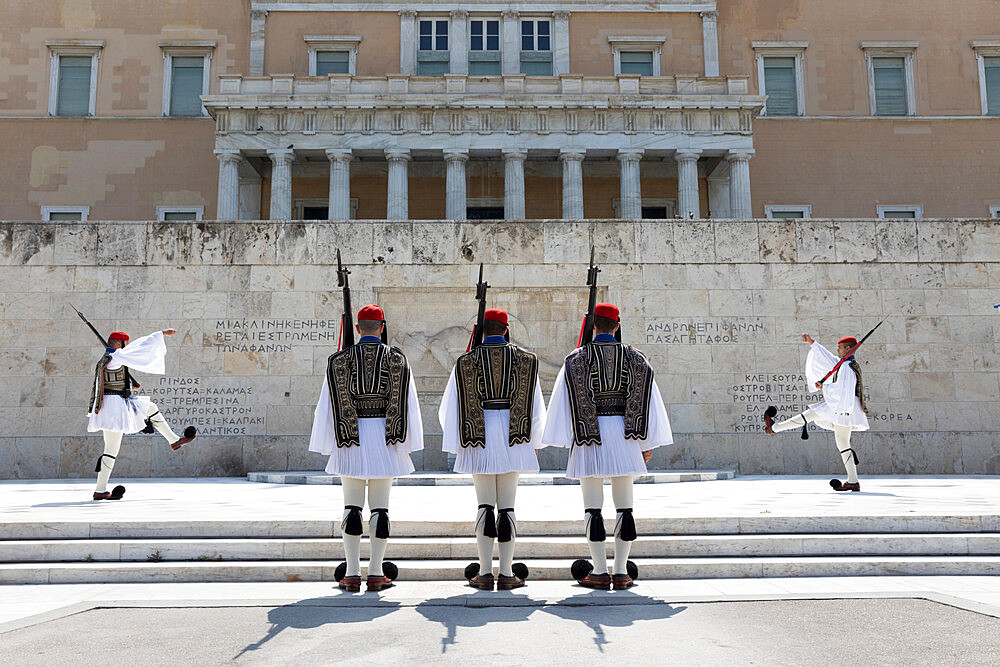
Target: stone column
{"x":398,"y":205}
{"x":513,"y":184}
{"x":459,"y":41}
{"x":281,"y":183}
{"x":631,"y":192}
{"x":560,"y":45}
{"x":258,"y":18}
{"x":688,"y":202}
{"x":511,"y":37}
{"x":339,"y":204}
{"x":572,"y":184}
{"x":407,"y":41}
{"x":228,"y":205}
{"x":710,"y":39}
{"x":455,"y":185}
{"x":740,"y":203}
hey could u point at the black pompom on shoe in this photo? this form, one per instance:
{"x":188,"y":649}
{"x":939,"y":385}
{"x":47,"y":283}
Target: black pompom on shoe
{"x":580,"y":569}
{"x":520,"y":570}
{"x":632,"y":569}
{"x":190,"y":433}
{"x":390,"y":570}
{"x":471,"y":570}
{"x":117,"y":493}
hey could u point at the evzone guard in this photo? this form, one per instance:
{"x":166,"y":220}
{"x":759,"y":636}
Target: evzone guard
{"x":114,"y":407}
{"x":607,"y":409}
{"x":842,"y":409}
{"x":492,"y":415}
{"x":367,"y":421}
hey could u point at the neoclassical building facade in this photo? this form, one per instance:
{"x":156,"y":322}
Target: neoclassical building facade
{"x":333,"y":109}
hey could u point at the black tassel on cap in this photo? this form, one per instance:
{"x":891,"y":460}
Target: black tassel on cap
{"x":352,"y":522}
{"x":626,"y":524}
{"x":505,"y":525}
{"x":489,"y":521}
{"x":381,"y":523}
{"x":597,"y":532}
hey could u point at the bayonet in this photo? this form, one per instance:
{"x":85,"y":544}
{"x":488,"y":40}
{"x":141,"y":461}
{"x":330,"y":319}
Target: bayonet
{"x":347,"y":318}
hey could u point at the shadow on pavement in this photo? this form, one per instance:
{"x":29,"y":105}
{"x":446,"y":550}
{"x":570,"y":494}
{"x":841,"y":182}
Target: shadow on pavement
{"x":598,"y":610}
{"x":462,"y":611}
{"x":339,"y":607}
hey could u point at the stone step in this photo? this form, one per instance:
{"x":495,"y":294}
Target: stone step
{"x":544,"y":478}
{"x":760,"y":524}
{"x":439,"y":570}
{"x":665,"y":546}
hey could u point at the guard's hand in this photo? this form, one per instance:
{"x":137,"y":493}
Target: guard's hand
{"x":819,"y":385}
{"x":647,"y":455}
{"x":137,"y":386}
{"x":169,"y":332}
{"x":806,"y":338}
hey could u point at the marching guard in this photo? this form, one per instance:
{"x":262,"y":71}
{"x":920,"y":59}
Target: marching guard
{"x":117,"y":411}
{"x":607,"y":409}
{"x":842,"y":409}
{"x":492,"y":416}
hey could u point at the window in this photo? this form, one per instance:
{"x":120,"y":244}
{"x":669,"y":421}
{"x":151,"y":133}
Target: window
{"x":484,"y":47}
{"x":168,"y":213}
{"x":653,"y":208}
{"x":779,"y":77}
{"x":332,"y":54}
{"x":73,"y":76}
{"x":637,"y":54}
{"x":900,"y":212}
{"x":318,"y":209}
{"x":995,"y":211}
{"x":536,"y":47}
{"x":432,"y":50}
{"x":65,"y":213}
{"x":890,"y":78}
{"x":785,"y":212}
{"x":186,"y":75}
{"x":988,"y":61}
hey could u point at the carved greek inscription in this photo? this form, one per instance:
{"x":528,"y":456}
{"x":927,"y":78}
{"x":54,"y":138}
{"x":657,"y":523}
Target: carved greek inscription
{"x":213,"y":409}
{"x":273,"y":335}
{"x":705,"y":331}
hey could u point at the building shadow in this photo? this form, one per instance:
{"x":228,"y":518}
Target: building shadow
{"x":462,"y":611}
{"x":339,"y":607}
{"x":599,"y":610}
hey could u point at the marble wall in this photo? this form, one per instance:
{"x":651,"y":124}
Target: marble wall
{"x":718,"y":306}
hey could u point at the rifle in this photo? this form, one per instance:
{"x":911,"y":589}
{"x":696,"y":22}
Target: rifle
{"x":346,"y":339}
{"x":477,"y":331}
{"x":848,"y":355}
{"x":587,"y":330}
{"x":103,"y":339}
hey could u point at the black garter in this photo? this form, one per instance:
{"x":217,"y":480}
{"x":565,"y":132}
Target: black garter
{"x":97,"y":468}
{"x":381,"y":523}
{"x":626,"y":525}
{"x":352,"y":522}
{"x":597,"y":532}
{"x":489,"y":521}
{"x":506,"y":528}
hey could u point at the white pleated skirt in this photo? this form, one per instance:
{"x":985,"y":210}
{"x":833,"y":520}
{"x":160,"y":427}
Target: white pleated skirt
{"x":127,"y":415}
{"x":373,"y":459}
{"x":827,"y":418}
{"x":498,"y":457}
{"x":615,"y":456}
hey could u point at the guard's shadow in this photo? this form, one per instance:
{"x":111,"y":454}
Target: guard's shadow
{"x":339,"y":607}
{"x":599,"y":610}
{"x":461,"y":611}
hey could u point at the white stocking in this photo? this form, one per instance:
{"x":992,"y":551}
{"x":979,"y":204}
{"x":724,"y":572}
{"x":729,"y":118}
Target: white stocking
{"x":593,"y":498}
{"x":158,"y":421}
{"x":506,"y":490}
{"x":795,"y":422}
{"x":112,"y":443}
{"x":354,"y":494}
{"x":842,"y":435}
{"x":378,"y":498}
{"x":621,"y":492}
{"x":486,"y":494}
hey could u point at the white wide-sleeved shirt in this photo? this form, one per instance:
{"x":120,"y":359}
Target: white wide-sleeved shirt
{"x":840,"y":407}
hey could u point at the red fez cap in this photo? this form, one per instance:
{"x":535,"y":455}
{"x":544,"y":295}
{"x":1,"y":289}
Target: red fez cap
{"x":850,"y":340}
{"x":496,"y":315}
{"x":119,"y":335}
{"x":608,"y":310}
{"x":371,"y":313}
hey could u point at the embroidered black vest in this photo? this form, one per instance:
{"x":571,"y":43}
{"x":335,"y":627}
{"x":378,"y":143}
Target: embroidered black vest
{"x":495,"y":376}
{"x":368,"y":380}
{"x":608,"y":378}
{"x":117,"y":382}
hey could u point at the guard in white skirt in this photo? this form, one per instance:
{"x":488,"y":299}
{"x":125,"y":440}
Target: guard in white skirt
{"x":842,"y":409}
{"x":492,"y":415}
{"x":607,"y":409}
{"x":116,"y":411}
{"x":368,"y":421}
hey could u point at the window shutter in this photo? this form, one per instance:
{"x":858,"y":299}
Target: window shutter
{"x":180,"y":215}
{"x":902,"y":215}
{"x":992,"y":67}
{"x":73,"y":96}
{"x":637,"y":62}
{"x":786,"y":215}
{"x":186,"y":85}
{"x":65,"y":216}
{"x":333,"y":62}
{"x":780,"y":87}
{"x":890,"y":86}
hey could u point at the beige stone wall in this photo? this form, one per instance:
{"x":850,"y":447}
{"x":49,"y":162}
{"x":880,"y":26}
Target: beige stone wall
{"x":286,"y":53}
{"x":717,"y":307}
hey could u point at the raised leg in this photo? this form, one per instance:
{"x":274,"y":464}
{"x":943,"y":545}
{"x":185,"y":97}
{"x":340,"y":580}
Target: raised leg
{"x":158,"y":421}
{"x":378,"y":503}
{"x":795,"y":422}
{"x":106,"y":463}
